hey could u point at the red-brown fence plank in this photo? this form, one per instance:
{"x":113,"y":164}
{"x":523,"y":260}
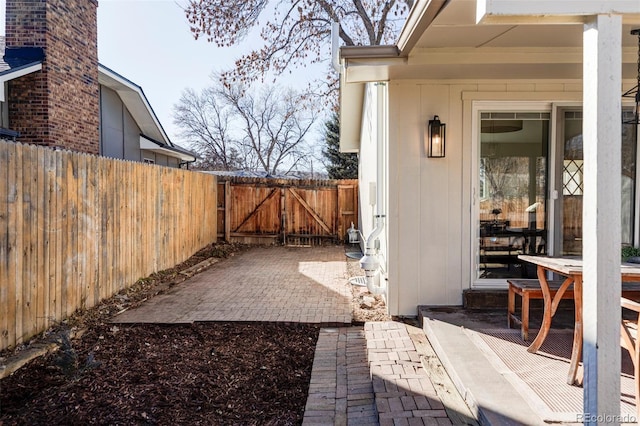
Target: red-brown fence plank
{"x":286,"y":210}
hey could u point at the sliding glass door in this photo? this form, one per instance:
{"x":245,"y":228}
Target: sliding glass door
{"x":512,"y":213}
{"x":517,"y":209}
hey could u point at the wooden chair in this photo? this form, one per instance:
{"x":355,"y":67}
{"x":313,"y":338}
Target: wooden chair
{"x":629,"y":340}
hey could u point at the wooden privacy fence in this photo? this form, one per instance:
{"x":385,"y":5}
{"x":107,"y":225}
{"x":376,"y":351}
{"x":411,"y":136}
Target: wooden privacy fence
{"x":288,"y":211}
{"x":76,"y":229}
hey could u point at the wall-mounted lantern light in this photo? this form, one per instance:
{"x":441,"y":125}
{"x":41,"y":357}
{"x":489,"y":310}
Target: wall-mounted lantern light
{"x":436,"y":133}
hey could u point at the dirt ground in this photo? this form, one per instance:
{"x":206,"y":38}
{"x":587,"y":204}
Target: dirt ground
{"x":199,"y":374}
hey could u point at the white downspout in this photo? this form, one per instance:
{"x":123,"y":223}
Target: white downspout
{"x":335,"y":46}
{"x":370,"y":261}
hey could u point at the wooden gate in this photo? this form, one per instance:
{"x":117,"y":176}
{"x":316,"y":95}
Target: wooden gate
{"x":286,"y":211}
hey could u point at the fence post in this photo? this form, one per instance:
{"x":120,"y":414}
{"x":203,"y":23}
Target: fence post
{"x":227,"y":211}
{"x":283,"y":215}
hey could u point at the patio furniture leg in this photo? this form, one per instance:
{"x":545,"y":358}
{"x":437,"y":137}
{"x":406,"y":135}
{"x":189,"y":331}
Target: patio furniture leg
{"x":524,"y":330}
{"x":629,"y":340}
{"x":511,"y":306}
{"x":576,"y":352}
{"x":636,"y":382}
{"x":552,"y":293}
{"x":546,"y":318}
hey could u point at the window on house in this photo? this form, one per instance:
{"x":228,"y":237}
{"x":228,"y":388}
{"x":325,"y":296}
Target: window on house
{"x":572,"y":182}
{"x":572,"y":178}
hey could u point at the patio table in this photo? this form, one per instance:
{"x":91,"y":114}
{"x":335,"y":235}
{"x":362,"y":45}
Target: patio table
{"x":571,"y":269}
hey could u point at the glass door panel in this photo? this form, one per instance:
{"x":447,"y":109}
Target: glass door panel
{"x":513,"y":192}
{"x":572,"y":182}
{"x":572,"y":185}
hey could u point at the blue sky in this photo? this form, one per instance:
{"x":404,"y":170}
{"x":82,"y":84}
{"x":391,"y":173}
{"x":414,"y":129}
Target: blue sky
{"x":149,"y":43}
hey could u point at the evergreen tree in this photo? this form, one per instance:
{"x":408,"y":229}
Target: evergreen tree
{"x":340,"y":165}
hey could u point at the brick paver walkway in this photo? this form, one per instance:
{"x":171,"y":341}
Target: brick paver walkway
{"x":341,"y":391}
{"x":371,"y":376}
{"x":270,"y":284}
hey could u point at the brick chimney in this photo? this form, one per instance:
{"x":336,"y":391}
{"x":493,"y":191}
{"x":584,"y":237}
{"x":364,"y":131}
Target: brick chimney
{"x":59,"y":105}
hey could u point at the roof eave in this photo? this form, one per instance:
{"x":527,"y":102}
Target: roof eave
{"x":369,"y":52}
{"x":368,"y":63}
{"x":420,"y":18}
{"x":149,"y":144}
{"x":371,"y":63}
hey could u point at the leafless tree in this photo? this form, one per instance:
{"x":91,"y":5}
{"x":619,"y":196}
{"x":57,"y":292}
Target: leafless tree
{"x":295,"y":32}
{"x":204,"y":122}
{"x":235,"y":128}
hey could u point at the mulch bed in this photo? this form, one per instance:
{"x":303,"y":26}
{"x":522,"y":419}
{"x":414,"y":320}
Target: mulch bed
{"x":198,"y":374}
{"x":213,"y":373}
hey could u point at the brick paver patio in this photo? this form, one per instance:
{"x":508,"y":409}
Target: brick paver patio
{"x":404,"y":393}
{"x":267,"y":284}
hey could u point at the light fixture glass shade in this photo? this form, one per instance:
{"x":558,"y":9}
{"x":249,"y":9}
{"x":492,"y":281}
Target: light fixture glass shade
{"x":500,"y":126}
{"x":436,"y":133}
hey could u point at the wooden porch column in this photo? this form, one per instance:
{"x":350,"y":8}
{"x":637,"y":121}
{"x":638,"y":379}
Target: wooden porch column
{"x":601,"y":132}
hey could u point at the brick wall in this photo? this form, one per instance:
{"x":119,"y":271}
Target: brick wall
{"x":58,"y":106}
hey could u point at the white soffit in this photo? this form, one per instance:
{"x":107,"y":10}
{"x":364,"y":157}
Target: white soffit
{"x":362,"y":64}
{"x":456,"y":26}
{"x":453,"y":46}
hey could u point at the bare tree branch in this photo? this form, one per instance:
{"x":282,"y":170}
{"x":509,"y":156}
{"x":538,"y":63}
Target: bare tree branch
{"x":295,"y":32}
{"x":234,"y":128}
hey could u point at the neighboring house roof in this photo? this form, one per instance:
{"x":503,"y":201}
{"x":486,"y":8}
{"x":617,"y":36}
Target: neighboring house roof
{"x":136,"y":102}
{"x":16,"y":62}
{"x":150,"y":144}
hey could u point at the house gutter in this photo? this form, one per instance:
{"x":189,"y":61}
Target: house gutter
{"x":420,"y":18}
{"x":186,"y":163}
